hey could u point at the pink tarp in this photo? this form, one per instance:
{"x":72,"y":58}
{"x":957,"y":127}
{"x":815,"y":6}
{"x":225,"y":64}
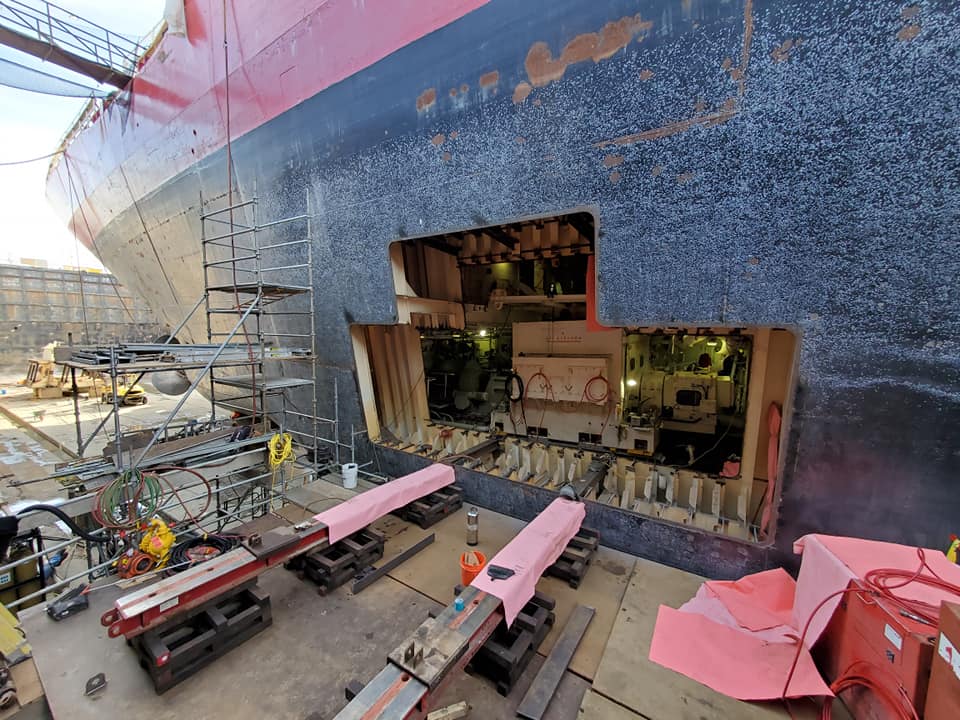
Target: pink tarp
{"x":733,"y":636}
{"x":732,"y":662}
{"x":530,"y":553}
{"x":760,"y":601}
{"x":366,"y":507}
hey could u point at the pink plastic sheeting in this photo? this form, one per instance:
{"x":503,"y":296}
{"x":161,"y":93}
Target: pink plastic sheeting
{"x":731,"y":661}
{"x":759,"y":601}
{"x":706,"y":603}
{"x":753,"y":606}
{"x":530,"y":553}
{"x":366,"y":507}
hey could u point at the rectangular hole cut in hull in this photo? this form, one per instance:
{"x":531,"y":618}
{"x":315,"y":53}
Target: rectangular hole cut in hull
{"x":495,"y":363}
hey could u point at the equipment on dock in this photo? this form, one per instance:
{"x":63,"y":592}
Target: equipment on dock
{"x":161,"y":602}
{"x":128,"y":393}
{"x":176,"y":650}
{"x":47,"y":379}
{"x":473,"y":526}
{"x":369,"y":576}
{"x":95,"y":684}
{"x":183,"y":623}
{"x":70,"y":603}
{"x":495,"y":627}
{"x":538,"y":696}
{"x":334,"y":565}
{"x":870,"y":631}
{"x":430,"y":510}
{"x":573,"y":563}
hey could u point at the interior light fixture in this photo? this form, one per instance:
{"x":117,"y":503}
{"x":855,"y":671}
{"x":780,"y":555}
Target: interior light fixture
{"x":483,"y":332}
{"x":631,"y":382}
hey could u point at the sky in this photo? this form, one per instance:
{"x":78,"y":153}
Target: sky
{"x":32,"y":125}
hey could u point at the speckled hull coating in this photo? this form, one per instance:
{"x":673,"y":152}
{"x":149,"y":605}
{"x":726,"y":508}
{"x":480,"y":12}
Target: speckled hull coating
{"x":785,"y":163}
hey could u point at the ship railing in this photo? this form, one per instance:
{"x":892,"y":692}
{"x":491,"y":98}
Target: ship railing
{"x":54,"y":25}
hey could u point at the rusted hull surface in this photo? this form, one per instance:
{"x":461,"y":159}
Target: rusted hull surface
{"x":749,"y":163}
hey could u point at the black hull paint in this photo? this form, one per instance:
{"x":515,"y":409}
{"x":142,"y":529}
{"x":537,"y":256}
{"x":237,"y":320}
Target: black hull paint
{"x":826,"y":202}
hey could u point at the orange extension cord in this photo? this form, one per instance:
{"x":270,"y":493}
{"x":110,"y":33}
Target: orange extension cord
{"x":882,"y":582}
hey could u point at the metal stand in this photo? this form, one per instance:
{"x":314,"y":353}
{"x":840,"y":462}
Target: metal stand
{"x":333,"y":566}
{"x":176,"y":650}
{"x":433,"y":508}
{"x":506,"y":654}
{"x":573,"y":563}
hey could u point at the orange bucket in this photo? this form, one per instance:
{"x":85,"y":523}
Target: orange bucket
{"x":469,"y":571}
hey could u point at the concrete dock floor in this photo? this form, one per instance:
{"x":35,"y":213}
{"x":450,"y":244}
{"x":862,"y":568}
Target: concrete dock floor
{"x":299,"y":666}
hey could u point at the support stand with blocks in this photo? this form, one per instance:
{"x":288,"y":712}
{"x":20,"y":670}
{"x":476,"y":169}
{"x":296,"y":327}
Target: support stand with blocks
{"x":573,"y":563}
{"x":433,"y":508}
{"x":337,"y":564}
{"x":505,"y":656}
{"x":177,"y":649}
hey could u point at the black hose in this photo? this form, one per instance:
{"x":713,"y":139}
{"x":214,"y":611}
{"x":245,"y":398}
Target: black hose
{"x":54,"y":510}
{"x":510,"y":378}
{"x":180,"y":558}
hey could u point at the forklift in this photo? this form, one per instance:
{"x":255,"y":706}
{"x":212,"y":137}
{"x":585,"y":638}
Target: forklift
{"x":128,"y":394}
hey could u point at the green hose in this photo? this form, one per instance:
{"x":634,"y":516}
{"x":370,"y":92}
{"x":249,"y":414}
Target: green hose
{"x":144,"y":495}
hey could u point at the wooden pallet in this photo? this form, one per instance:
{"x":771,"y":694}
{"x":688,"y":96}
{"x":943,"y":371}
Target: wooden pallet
{"x":333,"y":566}
{"x":507,"y":652}
{"x":429,"y":510}
{"x":573,"y":563}
{"x":176,"y":650}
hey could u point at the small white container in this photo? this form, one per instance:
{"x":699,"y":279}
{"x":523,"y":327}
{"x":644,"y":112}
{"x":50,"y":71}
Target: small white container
{"x":349,"y":475}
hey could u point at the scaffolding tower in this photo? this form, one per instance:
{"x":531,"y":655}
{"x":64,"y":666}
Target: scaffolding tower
{"x":258,"y":273}
{"x":260,"y":359}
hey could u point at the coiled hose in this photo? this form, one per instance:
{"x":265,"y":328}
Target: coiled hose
{"x":280,"y":447}
{"x":198,"y":548}
{"x":114,"y":510}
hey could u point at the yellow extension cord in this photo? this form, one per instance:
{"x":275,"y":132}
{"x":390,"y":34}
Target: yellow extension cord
{"x":281,"y":451}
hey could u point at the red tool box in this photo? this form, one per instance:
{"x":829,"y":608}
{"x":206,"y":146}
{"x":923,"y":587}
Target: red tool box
{"x":943,"y":695}
{"x":868,"y":628}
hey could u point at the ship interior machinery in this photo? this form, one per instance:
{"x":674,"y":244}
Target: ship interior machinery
{"x":496,"y":357}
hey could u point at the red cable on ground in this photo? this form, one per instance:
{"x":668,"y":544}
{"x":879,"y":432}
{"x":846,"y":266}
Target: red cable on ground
{"x":868,"y":675}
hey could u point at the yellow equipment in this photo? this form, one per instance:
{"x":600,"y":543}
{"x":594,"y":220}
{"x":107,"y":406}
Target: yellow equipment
{"x":128,"y":394}
{"x":157,"y":541}
{"x":49,"y":380}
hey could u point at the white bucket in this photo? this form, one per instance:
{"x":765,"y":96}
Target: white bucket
{"x":349,"y":474}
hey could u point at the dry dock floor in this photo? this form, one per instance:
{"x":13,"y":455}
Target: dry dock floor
{"x":299,"y":666}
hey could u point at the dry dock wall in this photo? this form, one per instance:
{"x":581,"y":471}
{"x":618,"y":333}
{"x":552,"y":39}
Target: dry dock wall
{"x":40,"y":305}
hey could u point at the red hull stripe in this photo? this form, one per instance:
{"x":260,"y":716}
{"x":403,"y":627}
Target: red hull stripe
{"x":281,"y":53}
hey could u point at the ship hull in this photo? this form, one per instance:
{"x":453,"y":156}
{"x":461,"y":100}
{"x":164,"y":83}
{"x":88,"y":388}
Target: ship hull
{"x":748,"y":166}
